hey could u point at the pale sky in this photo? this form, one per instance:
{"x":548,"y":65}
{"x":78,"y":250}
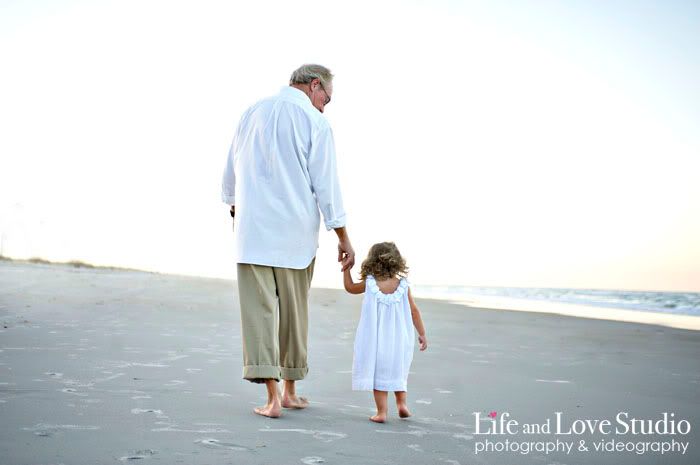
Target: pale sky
{"x":548,"y":144}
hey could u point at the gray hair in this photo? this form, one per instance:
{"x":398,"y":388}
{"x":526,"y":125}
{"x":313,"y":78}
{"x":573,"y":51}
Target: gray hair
{"x":307,"y":73}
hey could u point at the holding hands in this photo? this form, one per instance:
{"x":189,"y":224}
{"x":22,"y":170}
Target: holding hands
{"x":346,"y":254}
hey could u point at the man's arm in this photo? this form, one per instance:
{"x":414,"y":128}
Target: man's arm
{"x":228,"y":181}
{"x":325,"y":184}
{"x":323,"y":172}
{"x":346,"y":254}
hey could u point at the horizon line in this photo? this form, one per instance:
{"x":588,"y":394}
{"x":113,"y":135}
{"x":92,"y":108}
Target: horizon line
{"x":82,"y":264}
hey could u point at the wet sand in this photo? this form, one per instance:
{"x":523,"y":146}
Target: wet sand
{"x":108,"y":366}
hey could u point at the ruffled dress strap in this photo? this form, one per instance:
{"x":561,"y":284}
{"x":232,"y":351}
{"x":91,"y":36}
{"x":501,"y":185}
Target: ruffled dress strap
{"x":395,"y":296}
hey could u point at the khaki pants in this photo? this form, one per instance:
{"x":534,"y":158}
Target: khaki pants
{"x":274,"y":321}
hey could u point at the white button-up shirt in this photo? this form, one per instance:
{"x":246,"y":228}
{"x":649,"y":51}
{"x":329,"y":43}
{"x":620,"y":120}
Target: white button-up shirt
{"x":280,"y":171}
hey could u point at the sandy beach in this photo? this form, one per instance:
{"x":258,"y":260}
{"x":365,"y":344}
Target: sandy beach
{"x":110,"y":366}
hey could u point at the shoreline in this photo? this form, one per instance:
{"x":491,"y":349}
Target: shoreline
{"x":670,"y":320}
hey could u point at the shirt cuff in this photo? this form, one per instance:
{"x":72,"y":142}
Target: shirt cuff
{"x":229,"y":199}
{"x":335,"y":223}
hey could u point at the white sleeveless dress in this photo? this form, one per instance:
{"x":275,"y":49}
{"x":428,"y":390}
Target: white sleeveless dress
{"x":384,"y":340}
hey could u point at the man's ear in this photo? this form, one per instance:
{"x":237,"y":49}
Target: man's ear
{"x":315,"y":83}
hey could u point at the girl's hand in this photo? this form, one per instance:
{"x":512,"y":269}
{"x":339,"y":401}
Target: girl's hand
{"x":423,"y":342}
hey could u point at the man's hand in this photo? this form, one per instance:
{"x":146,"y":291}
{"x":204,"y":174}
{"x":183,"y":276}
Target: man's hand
{"x":346,"y":254}
{"x":423,"y":341}
{"x":233,"y":211}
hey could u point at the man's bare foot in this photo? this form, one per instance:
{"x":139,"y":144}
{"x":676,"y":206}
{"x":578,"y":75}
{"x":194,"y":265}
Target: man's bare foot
{"x":272,"y":410}
{"x":289,"y":401}
{"x":403,"y":411}
{"x":378,"y":418}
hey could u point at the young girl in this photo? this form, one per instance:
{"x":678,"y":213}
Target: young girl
{"x":384,"y":339}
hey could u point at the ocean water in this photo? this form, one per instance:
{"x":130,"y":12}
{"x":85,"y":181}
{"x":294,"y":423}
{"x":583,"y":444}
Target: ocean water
{"x":681,"y":303}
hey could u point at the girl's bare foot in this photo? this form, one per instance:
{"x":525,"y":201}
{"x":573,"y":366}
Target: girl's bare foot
{"x":271,"y":410}
{"x":380,"y":400}
{"x":401,"y":404}
{"x":292,"y":401}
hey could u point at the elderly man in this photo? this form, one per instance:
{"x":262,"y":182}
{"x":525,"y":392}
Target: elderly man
{"x":281,"y":170}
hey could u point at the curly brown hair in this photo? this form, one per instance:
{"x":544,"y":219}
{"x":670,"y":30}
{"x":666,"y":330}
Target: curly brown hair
{"x":384,"y":261}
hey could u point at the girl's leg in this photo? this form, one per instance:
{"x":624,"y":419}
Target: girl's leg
{"x":380,"y":398}
{"x":401,"y":404}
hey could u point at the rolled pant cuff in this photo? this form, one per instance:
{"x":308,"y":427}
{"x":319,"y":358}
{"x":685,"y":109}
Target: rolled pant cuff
{"x":252,"y":372}
{"x":294,"y":374}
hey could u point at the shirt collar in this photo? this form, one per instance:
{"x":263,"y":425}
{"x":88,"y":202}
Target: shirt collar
{"x":295,"y":93}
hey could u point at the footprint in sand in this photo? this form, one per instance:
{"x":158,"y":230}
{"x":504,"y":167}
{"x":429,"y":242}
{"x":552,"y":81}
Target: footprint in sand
{"x":172,"y":427}
{"x":457,"y":349}
{"x":216,"y":444}
{"x":138,"y":455}
{"x":45,"y":429}
{"x":73,"y":391}
{"x":424,"y":401}
{"x":415,"y":447}
{"x":138,"y":411}
{"x":312,"y":460}
{"x":325,"y":436}
{"x":416,"y":432}
{"x":109,"y":378}
{"x":175,"y":382}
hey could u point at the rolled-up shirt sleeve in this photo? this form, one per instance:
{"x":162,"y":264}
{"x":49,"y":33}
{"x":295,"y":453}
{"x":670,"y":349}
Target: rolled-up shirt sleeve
{"x":228,"y":181}
{"x":324,"y":178}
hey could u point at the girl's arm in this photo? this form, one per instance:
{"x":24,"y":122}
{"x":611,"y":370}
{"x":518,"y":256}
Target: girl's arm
{"x":350,"y":286}
{"x":417,"y":322}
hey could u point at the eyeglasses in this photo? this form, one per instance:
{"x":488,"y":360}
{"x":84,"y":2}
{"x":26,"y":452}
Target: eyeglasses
{"x":328,"y":97}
